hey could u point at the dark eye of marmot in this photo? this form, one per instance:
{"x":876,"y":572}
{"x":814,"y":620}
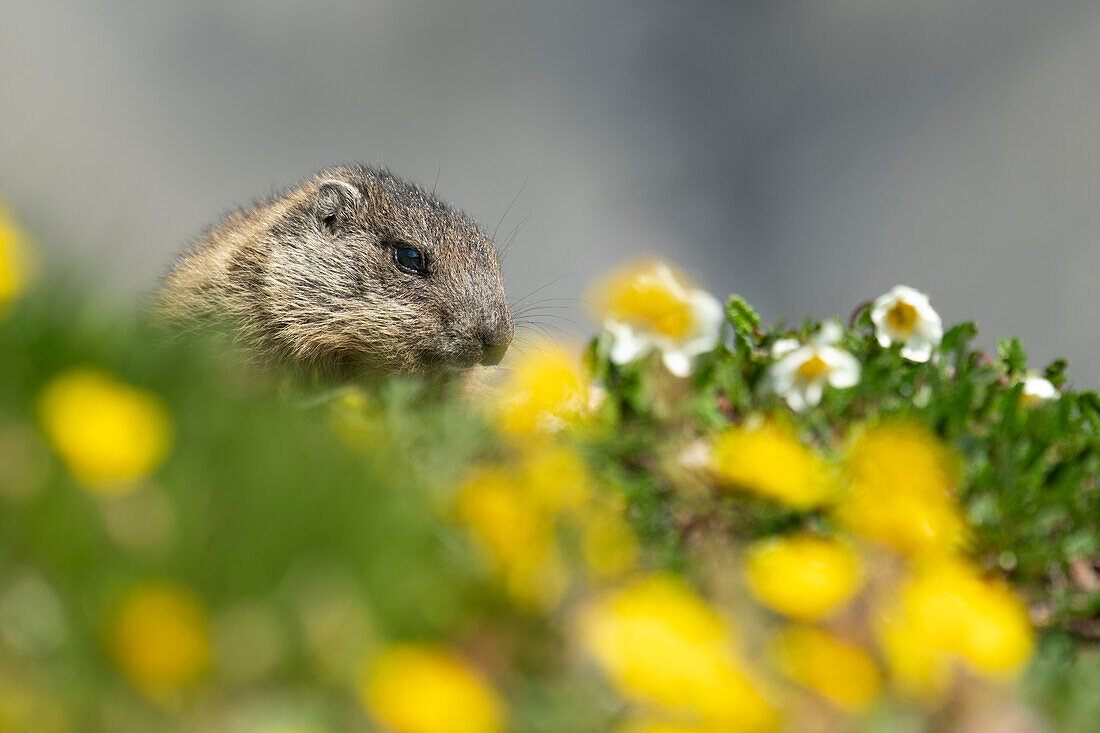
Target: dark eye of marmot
{"x":409,"y":259}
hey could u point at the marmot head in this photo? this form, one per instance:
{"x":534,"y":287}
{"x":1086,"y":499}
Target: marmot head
{"x":356,"y":269}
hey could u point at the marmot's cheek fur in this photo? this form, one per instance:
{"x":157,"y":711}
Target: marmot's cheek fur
{"x":354,"y":270}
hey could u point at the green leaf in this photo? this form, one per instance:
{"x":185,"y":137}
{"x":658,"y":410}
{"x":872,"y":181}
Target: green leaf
{"x":746,"y":322}
{"x":1013,"y":355}
{"x":958,"y":337}
{"x":1056,"y":372}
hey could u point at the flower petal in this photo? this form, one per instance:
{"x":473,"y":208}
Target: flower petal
{"x":782,"y":347}
{"x":845,"y":370}
{"x":678,"y":363}
{"x":830,"y":333}
{"x":917,"y":349}
{"x":813,"y":391}
{"x":795,"y":399}
{"x":626,"y":343}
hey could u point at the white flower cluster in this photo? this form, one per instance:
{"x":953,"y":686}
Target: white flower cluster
{"x":650,"y":309}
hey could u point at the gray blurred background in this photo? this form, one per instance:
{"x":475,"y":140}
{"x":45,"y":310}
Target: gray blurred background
{"x":806,"y":154}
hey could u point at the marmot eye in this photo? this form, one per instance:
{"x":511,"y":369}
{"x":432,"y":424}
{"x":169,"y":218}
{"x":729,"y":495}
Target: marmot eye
{"x":410,"y":260}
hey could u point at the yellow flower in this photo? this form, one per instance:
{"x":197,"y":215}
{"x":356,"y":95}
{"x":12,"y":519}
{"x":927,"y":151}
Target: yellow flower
{"x":662,"y":645}
{"x":108,"y":433}
{"x":412,"y":688}
{"x":544,"y":393}
{"x":893,"y":457}
{"x":516,"y":534}
{"x":803,"y":576}
{"x":947,"y":612}
{"x":609,"y":544}
{"x":160,"y":640}
{"x":648,"y":306}
{"x":770,"y":461}
{"x":912,"y":523}
{"x":556,"y":477}
{"x":15,"y":259}
{"x":902,"y":479}
{"x":841,"y":673}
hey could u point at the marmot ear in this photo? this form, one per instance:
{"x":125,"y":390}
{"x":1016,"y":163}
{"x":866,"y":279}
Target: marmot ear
{"x":336,"y":203}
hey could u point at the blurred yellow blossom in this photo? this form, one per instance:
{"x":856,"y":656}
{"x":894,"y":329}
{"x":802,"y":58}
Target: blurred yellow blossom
{"x":15,"y":259}
{"x":838,"y":671}
{"x":803,"y":576}
{"x":662,"y":645}
{"x":411,"y":688}
{"x":914,"y":524}
{"x":354,"y":417}
{"x":545,"y":392}
{"x":516,"y":534}
{"x":902,"y":479}
{"x":159,"y":639}
{"x":902,"y":456}
{"x":770,"y":461}
{"x":648,"y":306}
{"x":109,"y":433}
{"x":556,"y":477}
{"x":609,"y":544}
{"x":947,"y":612}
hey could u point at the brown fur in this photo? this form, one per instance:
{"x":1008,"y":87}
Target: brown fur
{"x":310,"y":277}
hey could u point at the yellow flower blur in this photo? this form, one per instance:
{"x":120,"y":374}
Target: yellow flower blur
{"x":160,"y":639}
{"x":558,"y":479}
{"x":803,"y":576}
{"x":609,"y":544}
{"x":555,"y":477}
{"x":544,"y":393}
{"x":661,"y":645}
{"x":902,"y":479}
{"x":516,"y":534}
{"x":15,"y":259}
{"x":770,"y":461}
{"x":651,"y":296}
{"x":647,"y":307}
{"x":841,"y":673}
{"x":108,"y":433}
{"x":901,"y":457}
{"x":913,"y":524}
{"x":422,"y":689}
{"x":946,"y":613}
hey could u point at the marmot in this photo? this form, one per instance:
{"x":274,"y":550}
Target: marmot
{"x":351,"y":270}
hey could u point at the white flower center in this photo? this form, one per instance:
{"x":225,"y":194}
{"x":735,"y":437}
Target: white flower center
{"x":901,"y":318}
{"x":813,"y":368}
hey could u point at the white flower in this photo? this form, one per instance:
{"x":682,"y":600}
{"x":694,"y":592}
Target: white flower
{"x":649,"y":308}
{"x":1038,"y":390}
{"x":803,"y":370}
{"x":906,"y":316}
{"x":782,"y":347}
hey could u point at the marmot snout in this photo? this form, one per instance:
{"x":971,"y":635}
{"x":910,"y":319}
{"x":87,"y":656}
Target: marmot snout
{"x":353,"y":269}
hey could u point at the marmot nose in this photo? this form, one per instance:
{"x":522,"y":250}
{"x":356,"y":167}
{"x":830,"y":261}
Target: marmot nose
{"x":495,"y":338}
